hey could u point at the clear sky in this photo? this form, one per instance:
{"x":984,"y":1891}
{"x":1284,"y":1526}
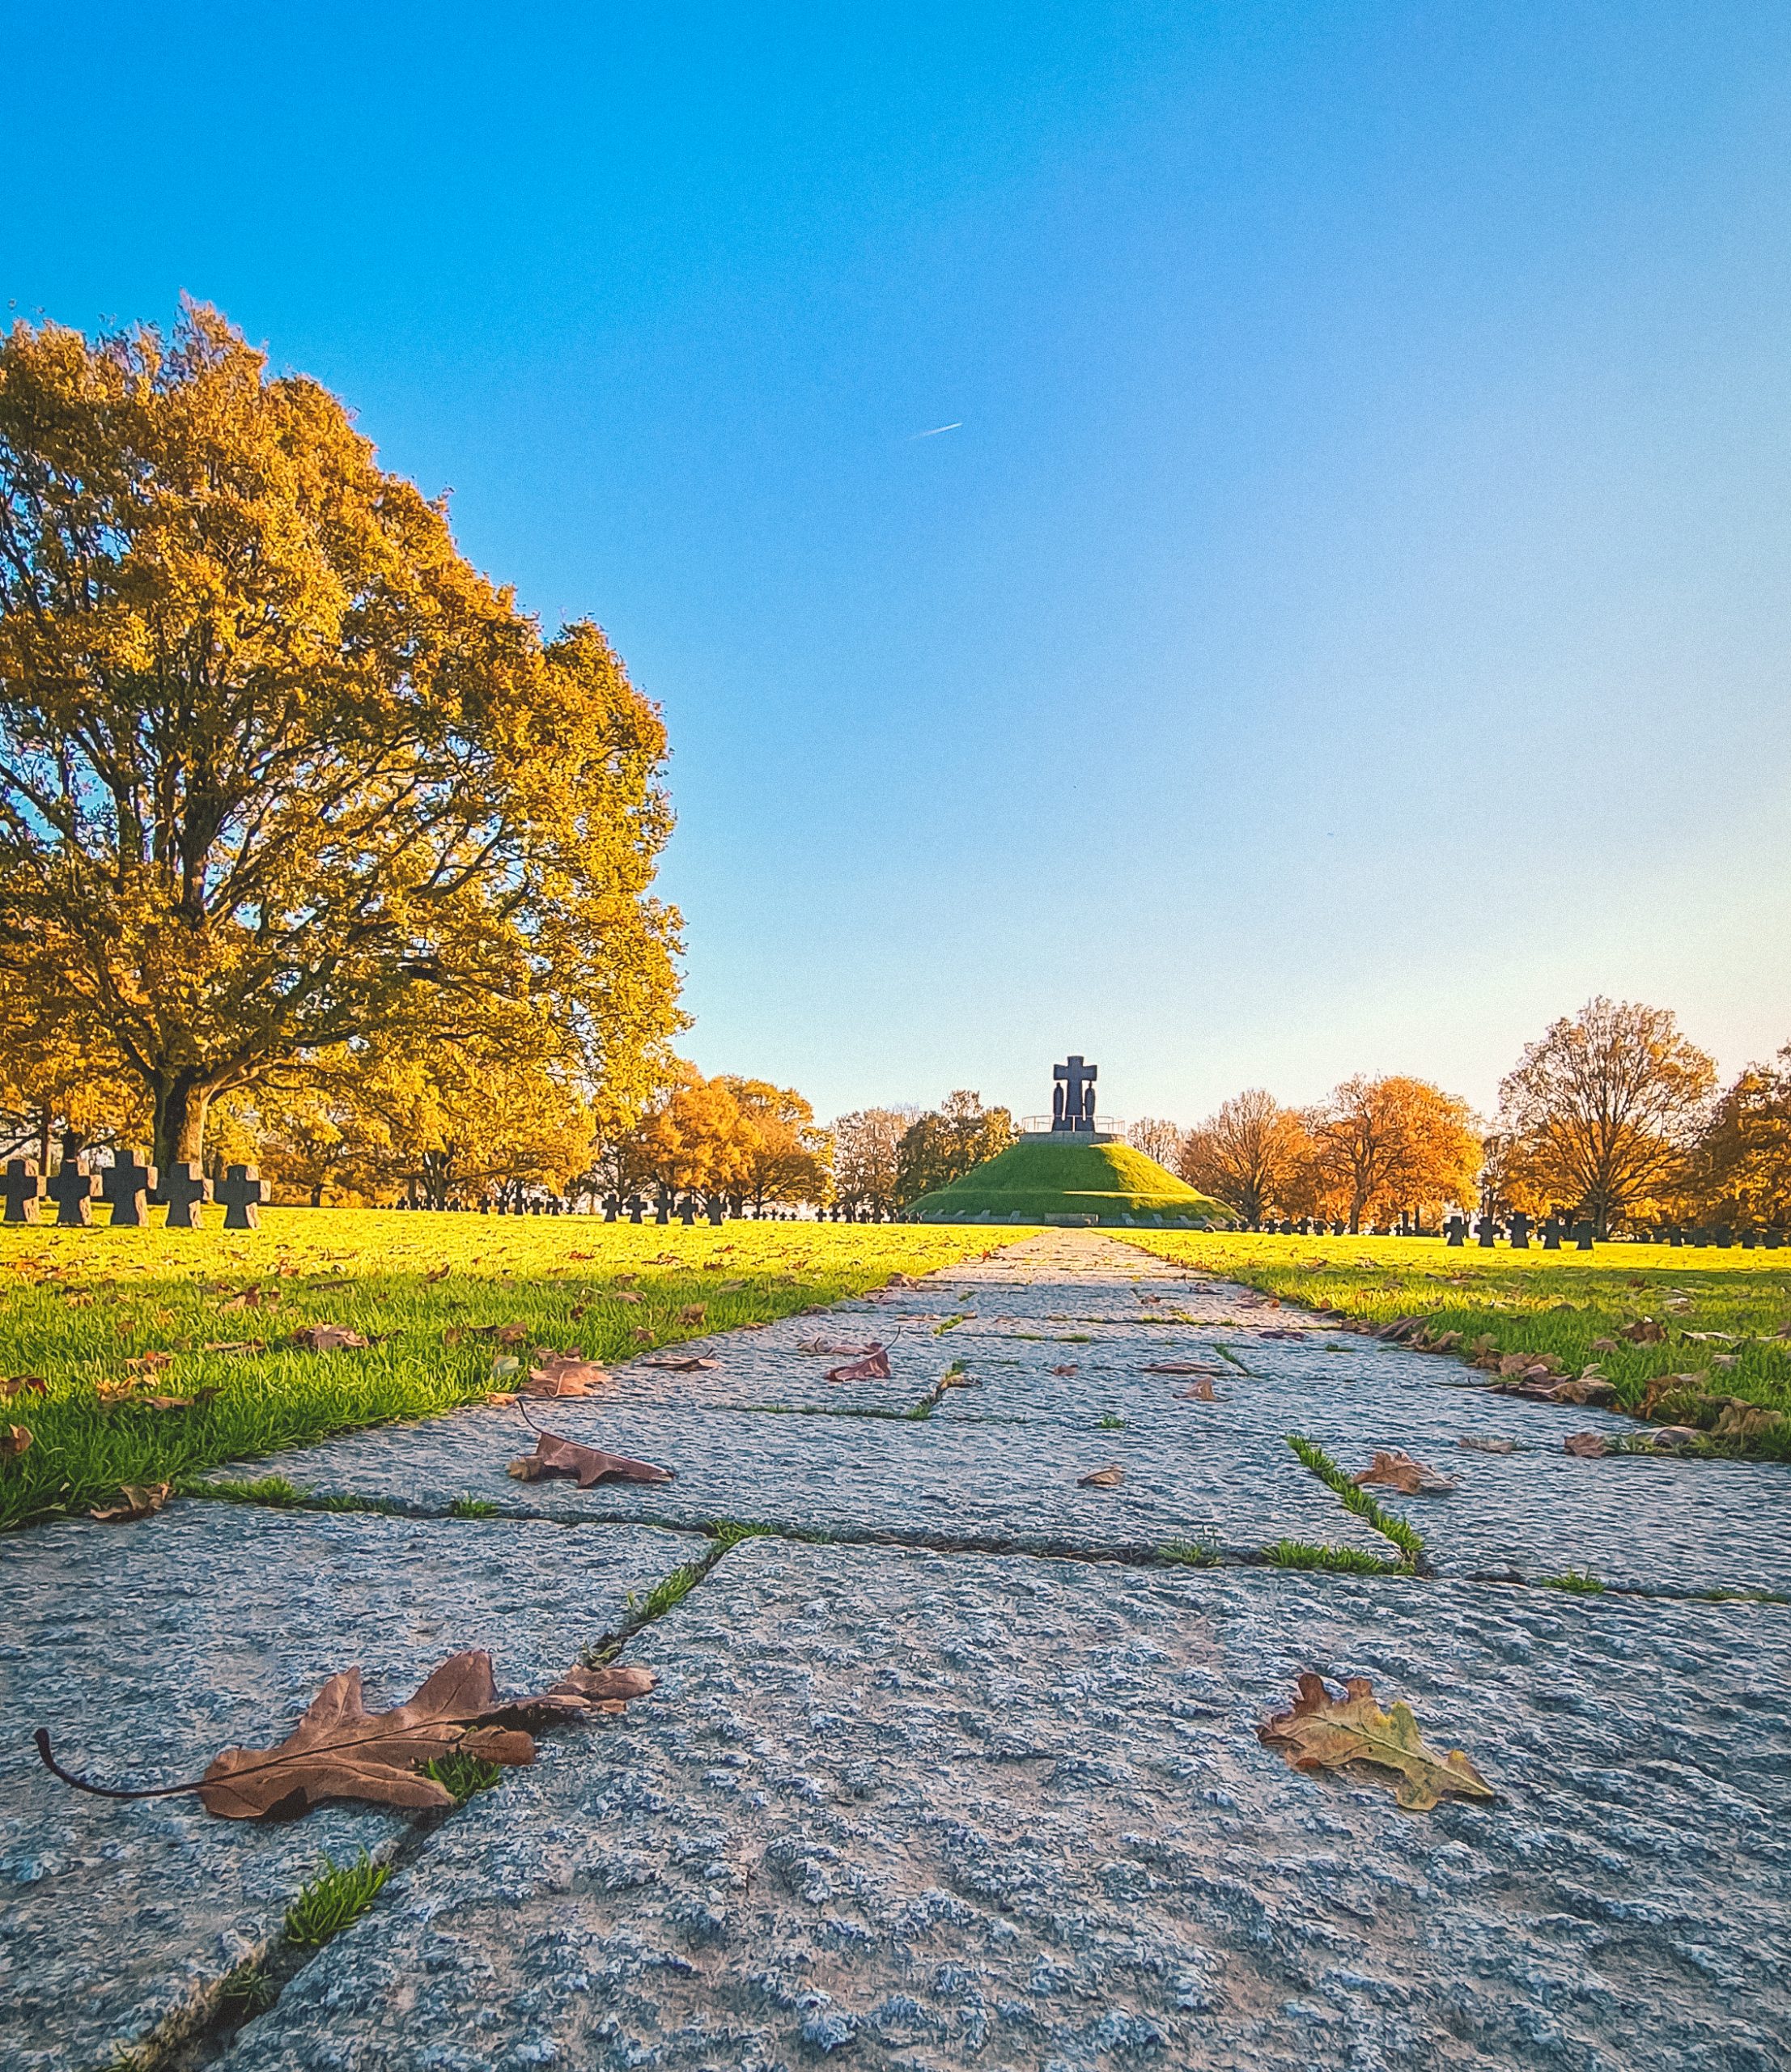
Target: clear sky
{"x":1347,"y":626}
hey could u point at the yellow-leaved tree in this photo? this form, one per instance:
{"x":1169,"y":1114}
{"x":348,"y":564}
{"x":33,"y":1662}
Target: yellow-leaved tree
{"x":279,"y":770}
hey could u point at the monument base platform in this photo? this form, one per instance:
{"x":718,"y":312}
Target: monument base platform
{"x":1067,"y":1136}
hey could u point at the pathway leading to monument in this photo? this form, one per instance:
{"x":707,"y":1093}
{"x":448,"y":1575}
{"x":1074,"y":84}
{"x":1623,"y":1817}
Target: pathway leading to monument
{"x":955,"y":1768}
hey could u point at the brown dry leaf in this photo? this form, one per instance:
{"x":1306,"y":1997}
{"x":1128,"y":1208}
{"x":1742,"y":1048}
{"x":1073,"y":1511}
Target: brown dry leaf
{"x":1587,"y":1445}
{"x":1605,"y":1345}
{"x":453,"y":1335}
{"x":197,"y":1400}
{"x":329,"y":1338}
{"x":1102,"y":1477}
{"x":1322,"y":1733}
{"x":1646,"y":1332}
{"x":510,"y":1334}
{"x":581,"y":1255}
{"x":873,"y":1367}
{"x":15,"y":1439}
{"x":235,"y":1345}
{"x":250,"y":1298}
{"x":606,"y":1690}
{"x":578,"y":1310}
{"x":116,"y":1391}
{"x":835,"y":1347}
{"x":324,"y":1287}
{"x":1182,"y":1367}
{"x":1745,"y":1421}
{"x":505,"y":1396}
{"x":1393,"y":1469}
{"x":586,"y":1465}
{"x":440,"y":1273}
{"x":23,"y":1385}
{"x":643,"y":1337}
{"x":140,"y":1501}
{"x":1070,"y":1370}
{"x":145,"y":1365}
{"x":564,"y":1373}
{"x":693,"y":1313}
{"x":339,"y":1750}
{"x":623,"y":1295}
{"x":1200,"y":1392}
{"x":682,"y":1363}
{"x":1480,"y":1446}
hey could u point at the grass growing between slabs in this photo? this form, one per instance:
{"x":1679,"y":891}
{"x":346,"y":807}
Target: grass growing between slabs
{"x":1719,"y":1312}
{"x":215,"y":1310}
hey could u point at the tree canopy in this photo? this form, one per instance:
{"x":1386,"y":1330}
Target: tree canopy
{"x":279,"y":770}
{"x":946,"y":1143}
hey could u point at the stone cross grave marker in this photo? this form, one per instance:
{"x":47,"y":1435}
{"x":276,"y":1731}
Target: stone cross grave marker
{"x":1551,"y":1233}
{"x":662,"y":1209}
{"x":610,"y":1206}
{"x":1488,"y":1232}
{"x":634,"y":1206}
{"x":717,"y":1209}
{"x":72,"y":1191}
{"x":1520,"y":1231}
{"x":24,"y":1189}
{"x":1456,"y":1229}
{"x":1072,"y":1096}
{"x":1582,"y":1237}
{"x":185,"y":1189}
{"x":242,"y":1192}
{"x":124,"y":1184}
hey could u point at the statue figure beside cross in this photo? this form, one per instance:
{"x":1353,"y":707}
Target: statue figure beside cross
{"x":1072,"y":1096}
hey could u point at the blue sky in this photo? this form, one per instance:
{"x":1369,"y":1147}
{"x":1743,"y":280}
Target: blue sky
{"x":1349,"y":626}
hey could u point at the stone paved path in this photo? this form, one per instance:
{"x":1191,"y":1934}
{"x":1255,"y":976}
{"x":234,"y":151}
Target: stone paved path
{"x":929,"y":1795}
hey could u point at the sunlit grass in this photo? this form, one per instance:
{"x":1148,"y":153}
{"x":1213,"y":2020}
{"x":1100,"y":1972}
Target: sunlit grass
{"x":75,"y":1305}
{"x":1546,"y":1302}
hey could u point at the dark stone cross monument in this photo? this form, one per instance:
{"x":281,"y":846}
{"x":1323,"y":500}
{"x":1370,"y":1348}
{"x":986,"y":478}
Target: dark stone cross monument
{"x":124,"y":1183}
{"x":185,"y":1189}
{"x":1072,"y":1098}
{"x":24,"y":1189}
{"x":1520,"y":1231}
{"x":72,"y":1191}
{"x":242,"y":1192}
{"x":1455,"y":1229}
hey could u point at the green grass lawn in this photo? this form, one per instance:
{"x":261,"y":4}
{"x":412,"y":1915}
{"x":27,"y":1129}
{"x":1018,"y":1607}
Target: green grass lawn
{"x":1721,"y":1312}
{"x":1029,"y":1182}
{"x":75,"y":1306}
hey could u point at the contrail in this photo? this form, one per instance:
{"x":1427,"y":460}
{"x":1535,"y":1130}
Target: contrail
{"x":936,"y":430}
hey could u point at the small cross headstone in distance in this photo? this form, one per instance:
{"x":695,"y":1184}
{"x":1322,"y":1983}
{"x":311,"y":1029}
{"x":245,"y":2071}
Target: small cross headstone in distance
{"x":24,"y":1190}
{"x":611,"y":1205}
{"x":634,"y":1206}
{"x":124,"y":1184}
{"x":1487,"y":1231}
{"x":687,"y":1211}
{"x":72,"y":1191}
{"x":1520,"y":1231}
{"x":242,"y":1192}
{"x":718,"y":1210}
{"x":1456,"y":1229}
{"x":1551,"y":1233}
{"x":1582,"y":1237}
{"x":662,"y":1209}
{"x":185,"y":1189}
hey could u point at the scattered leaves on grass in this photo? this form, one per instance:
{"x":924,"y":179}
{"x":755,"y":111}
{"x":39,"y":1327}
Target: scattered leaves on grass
{"x":328,"y":1338}
{"x":252,"y":1298}
{"x":693,"y":1313}
{"x":340,"y":1750}
{"x":586,"y":1465}
{"x":1586,"y":1445}
{"x":873,"y":1367}
{"x":1323,"y":1733}
{"x":1393,"y":1469}
{"x":1199,"y":1391}
{"x":440,"y":1273}
{"x":236,"y":1345}
{"x":139,"y":1500}
{"x":1745,"y":1421}
{"x":23,"y":1385}
{"x":685,"y":1364}
{"x":622,"y":1295}
{"x":1102,"y":1477}
{"x":15,"y":1439}
{"x":564,"y":1373}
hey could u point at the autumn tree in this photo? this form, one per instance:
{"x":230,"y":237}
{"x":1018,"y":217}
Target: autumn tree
{"x":1249,"y":1155}
{"x":1394,"y":1143}
{"x":868,"y":1156}
{"x":693,"y":1138}
{"x":1156,"y":1139}
{"x":1739,"y":1172}
{"x":948,"y":1142}
{"x":783,"y":1156}
{"x":279,"y":770}
{"x":1606,"y":1105}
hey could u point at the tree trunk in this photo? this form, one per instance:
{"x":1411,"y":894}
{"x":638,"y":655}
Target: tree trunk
{"x":43,"y":1123}
{"x":181,"y":1101}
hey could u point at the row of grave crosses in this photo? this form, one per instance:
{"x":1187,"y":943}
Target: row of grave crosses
{"x":688,"y":1207}
{"x":129,"y":1183}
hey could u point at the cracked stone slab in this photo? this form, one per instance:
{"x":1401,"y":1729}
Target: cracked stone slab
{"x":925,"y":1813}
{"x":987,"y":1485}
{"x":147,"y":1648}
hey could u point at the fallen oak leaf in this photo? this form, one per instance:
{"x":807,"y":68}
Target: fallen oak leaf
{"x":834,"y":1348}
{"x":328,"y":1338}
{"x":23,"y":1385}
{"x":693,"y":1313}
{"x":1646,"y":1332}
{"x":1586,"y":1445}
{"x":687,"y":1365}
{"x":340,"y":1750}
{"x":1393,"y":1469}
{"x":141,"y":1501}
{"x":440,"y":1273}
{"x":1200,"y":1392}
{"x":586,"y":1465}
{"x":1069,"y":1370}
{"x":15,"y":1439}
{"x":1102,"y":1477}
{"x":1323,"y":1733}
{"x":564,"y":1373}
{"x":873,"y":1367}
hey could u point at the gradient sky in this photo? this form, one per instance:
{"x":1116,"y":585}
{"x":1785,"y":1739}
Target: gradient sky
{"x":1349,"y":628}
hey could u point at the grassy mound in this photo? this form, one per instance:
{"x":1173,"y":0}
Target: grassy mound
{"x":1048,"y":1182}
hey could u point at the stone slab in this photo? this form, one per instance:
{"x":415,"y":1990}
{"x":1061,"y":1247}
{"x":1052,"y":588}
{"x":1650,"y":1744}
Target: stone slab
{"x":987,"y":1486}
{"x":925,"y":1813}
{"x":147,"y":1648}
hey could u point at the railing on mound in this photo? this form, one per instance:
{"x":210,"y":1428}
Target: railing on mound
{"x":1041,"y":1125}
